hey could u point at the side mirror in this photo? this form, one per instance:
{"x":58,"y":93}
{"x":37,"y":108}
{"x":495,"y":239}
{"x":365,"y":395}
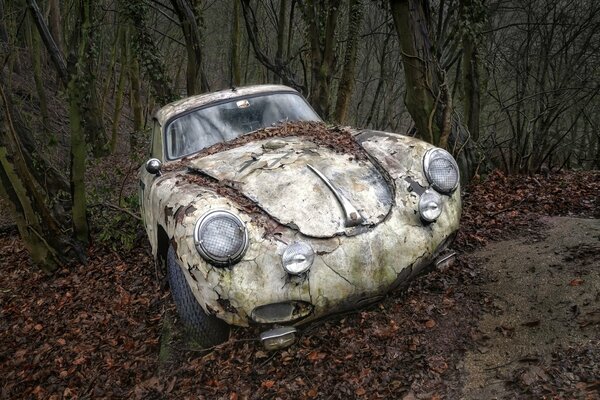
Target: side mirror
{"x":153,"y":166}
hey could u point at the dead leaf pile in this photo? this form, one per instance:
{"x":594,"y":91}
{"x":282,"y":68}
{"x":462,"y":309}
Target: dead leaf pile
{"x":501,"y":206}
{"x":94,"y":331}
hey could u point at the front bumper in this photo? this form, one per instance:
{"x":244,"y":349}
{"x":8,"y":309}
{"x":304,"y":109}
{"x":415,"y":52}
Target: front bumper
{"x":282,"y":337}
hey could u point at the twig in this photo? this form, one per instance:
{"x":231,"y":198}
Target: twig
{"x":117,"y":208}
{"x":508,"y":208}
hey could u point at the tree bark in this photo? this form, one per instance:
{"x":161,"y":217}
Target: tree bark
{"x":281,"y":31}
{"x":423,"y":96}
{"x":470,"y":72}
{"x":56,"y":55}
{"x":46,"y":242}
{"x":346,"y":86}
{"x":321,"y":18}
{"x":195,"y":78}
{"x":54,"y":19}
{"x":3,"y":33}
{"x":36,"y":60}
{"x":428,"y":98}
{"x":236,"y":66}
{"x":283,"y":71}
{"x":147,"y":52}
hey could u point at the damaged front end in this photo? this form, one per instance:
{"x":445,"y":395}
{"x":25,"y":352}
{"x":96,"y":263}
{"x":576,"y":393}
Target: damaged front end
{"x":282,"y":231}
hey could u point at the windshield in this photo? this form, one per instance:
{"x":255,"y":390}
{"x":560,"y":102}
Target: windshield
{"x":206,"y":126}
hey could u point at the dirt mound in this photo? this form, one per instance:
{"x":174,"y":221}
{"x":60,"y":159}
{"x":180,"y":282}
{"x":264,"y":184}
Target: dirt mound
{"x":540,"y":333}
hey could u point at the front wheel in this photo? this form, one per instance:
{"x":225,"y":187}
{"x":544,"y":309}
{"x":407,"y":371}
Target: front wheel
{"x":206,"y":330}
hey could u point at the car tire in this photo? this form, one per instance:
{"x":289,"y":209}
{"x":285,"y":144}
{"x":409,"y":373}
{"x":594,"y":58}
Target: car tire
{"x":206,"y":330}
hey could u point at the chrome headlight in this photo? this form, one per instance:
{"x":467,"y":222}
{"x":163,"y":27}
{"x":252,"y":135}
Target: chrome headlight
{"x":221,"y":238}
{"x":297,"y":258}
{"x":441,"y":170}
{"x":430,"y":205}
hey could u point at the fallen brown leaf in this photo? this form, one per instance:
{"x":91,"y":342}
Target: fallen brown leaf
{"x":576,"y":282}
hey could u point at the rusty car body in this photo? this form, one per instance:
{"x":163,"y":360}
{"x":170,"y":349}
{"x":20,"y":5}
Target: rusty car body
{"x":278,"y":229}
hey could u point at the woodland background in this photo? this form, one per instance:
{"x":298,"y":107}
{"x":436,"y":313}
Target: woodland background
{"x":503,"y":84}
{"x":510,"y":87}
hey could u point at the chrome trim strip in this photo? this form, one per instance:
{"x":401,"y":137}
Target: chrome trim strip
{"x":351,"y":214}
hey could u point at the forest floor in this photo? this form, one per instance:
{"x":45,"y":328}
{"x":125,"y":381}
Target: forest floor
{"x":517,"y":316}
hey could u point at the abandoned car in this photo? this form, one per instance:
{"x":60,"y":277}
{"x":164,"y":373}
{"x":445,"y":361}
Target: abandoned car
{"x":264,"y":215}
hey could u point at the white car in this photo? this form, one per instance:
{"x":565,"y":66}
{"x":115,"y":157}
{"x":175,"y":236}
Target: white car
{"x":264,"y":215}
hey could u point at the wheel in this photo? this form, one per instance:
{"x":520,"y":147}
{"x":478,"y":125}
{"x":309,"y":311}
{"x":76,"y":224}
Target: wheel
{"x":206,"y":330}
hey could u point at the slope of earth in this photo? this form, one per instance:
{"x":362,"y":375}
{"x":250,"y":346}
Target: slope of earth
{"x":545,"y":304}
{"x":95,"y":331}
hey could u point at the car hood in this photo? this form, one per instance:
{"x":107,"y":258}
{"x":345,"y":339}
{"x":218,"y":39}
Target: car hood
{"x":303,"y":185}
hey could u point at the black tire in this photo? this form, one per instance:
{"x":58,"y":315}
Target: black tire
{"x":206,"y":330}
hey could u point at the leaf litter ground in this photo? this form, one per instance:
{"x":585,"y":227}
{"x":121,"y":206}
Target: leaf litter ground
{"x":95,"y":331}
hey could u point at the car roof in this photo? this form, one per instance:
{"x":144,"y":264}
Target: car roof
{"x":176,"y":107}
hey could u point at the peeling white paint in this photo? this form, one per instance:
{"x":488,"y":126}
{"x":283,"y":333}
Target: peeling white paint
{"x":346,"y":268}
{"x":282,"y":184}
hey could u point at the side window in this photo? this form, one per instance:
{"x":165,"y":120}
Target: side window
{"x":157,"y":150}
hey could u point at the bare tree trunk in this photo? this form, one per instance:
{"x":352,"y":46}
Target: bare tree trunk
{"x":133,"y":70}
{"x":283,"y":71}
{"x":380,"y":82}
{"x":147,"y":52}
{"x":321,"y":18}
{"x":421,"y":71}
{"x":281,"y":31}
{"x":54,"y":19}
{"x":3,"y":33}
{"x":36,"y":58}
{"x":195,"y":78}
{"x":428,"y":98}
{"x":346,"y":86}
{"x":119,"y":92}
{"x":470,"y":76}
{"x":46,"y":242}
{"x":236,"y":67}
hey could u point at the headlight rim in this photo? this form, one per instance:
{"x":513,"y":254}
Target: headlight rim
{"x":439,"y":203}
{"x":309,"y":261}
{"x":205,"y":254}
{"x":433,"y":154}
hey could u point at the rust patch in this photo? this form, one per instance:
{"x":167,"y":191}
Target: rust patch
{"x":226,"y":304}
{"x":168,"y":214}
{"x":225,"y":189}
{"x":182,"y":212}
{"x":190,"y":209}
{"x":179,"y":214}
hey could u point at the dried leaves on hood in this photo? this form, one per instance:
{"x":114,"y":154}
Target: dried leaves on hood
{"x":337,"y":138}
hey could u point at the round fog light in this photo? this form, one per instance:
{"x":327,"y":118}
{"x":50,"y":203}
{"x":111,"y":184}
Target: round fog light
{"x":298,"y":258}
{"x":430,"y":205}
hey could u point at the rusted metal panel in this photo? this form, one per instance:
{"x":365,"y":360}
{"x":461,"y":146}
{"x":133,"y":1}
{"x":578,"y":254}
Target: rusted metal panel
{"x":347,"y":268}
{"x":280,"y":181}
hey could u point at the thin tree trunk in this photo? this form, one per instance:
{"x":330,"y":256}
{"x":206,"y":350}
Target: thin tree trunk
{"x":470,"y":78}
{"x":119,"y":95}
{"x":380,"y":82}
{"x":3,"y":33}
{"x":346,"y":86}
{"x":195,"y":78}
{"x":136,"y":91}
{"x":281,"y":32}
{"x":236,"y":67}
{"x":49,"y":247}
{"x":321,"y":18}
{"x":36,"y":57}
{"x":147,"y":52}
{"x":422,"y":87}
{"x":54,"y":23}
